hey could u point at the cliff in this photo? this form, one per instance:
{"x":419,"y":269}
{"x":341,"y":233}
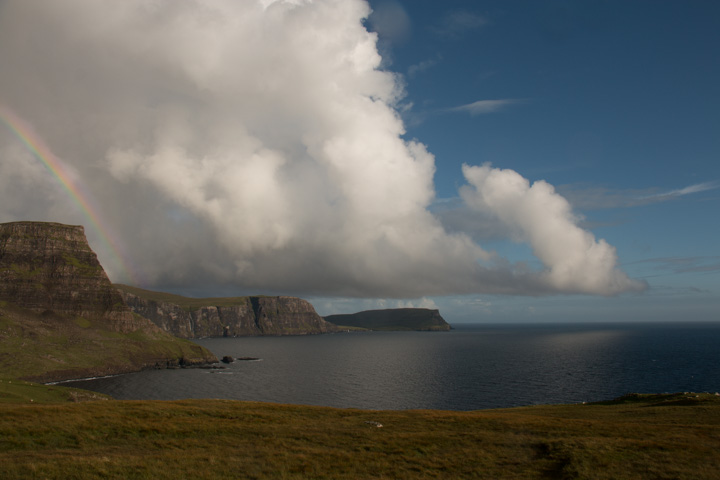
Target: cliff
{"x":421,"y":319}
{"x":234,"y":316}
{"x":51,"y":267}
{"x":60,"y":317}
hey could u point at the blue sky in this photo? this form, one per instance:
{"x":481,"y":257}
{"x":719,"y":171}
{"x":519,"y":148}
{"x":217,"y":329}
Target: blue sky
{"x":615,"y":103}
{"x":621,"y":94}
{"x":501,"y":161}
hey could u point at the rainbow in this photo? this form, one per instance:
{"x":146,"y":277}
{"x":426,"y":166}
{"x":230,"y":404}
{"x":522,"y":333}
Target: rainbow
{"x":68,"y":180}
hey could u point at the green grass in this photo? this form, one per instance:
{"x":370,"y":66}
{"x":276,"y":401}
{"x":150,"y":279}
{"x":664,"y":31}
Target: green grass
{"x":82,"y":322}
{"x":647,"y":437}
{"x":25,"y":272}
{"x":47,"y":347}
{"x":82,"y":268}
{"x":13,"y":390}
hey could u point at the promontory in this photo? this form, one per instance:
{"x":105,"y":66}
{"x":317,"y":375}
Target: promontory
{"x":421,"y":319}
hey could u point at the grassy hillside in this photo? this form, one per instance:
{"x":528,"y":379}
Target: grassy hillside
{"x":13,"y":390}
{"x":187,"y":303}
{"x":658,"y":437}
{"x":48,"y":347}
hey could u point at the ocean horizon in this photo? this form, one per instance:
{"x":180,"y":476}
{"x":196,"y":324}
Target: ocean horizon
{"x":472,"y":367}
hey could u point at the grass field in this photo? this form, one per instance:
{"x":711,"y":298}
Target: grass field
{"x":637,"y":437}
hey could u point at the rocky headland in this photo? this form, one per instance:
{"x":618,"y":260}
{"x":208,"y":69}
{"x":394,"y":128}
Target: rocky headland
{"x":229,"y":317}
{"x":60,"y":317}
{"x":418,"y":319}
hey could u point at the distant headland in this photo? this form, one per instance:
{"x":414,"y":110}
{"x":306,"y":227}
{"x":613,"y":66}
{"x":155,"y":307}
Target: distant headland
{"x":420,"y":319}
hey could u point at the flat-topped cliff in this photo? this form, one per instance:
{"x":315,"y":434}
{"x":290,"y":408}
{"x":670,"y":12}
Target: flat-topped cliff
{"x":229,"y":316}
{"x":423,"y":319}
{"x":50,"y":267}
{"x":60,"y":317}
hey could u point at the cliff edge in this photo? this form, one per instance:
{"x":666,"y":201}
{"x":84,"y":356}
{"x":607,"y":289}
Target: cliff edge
{"x":230,"y":316}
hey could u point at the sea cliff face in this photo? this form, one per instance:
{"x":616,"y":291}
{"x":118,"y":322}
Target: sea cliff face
{"x":60,"y":317}
{"x":240,"y":316}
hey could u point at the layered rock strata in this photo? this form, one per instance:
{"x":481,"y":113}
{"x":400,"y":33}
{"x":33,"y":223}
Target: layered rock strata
{"x":239,"y":316}
{"x":50,"y":267}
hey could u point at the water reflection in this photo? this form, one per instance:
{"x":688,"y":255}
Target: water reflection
{"x":469,"y":368}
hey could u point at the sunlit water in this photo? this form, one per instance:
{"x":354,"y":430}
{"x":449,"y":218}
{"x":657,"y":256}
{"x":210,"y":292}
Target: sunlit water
{"x":471,"y":367}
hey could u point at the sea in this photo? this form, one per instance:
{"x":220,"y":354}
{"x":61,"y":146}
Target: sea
{"x":471,"y":367}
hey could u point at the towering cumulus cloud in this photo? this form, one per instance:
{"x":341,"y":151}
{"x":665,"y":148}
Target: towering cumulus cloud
{"x":257,"y":144}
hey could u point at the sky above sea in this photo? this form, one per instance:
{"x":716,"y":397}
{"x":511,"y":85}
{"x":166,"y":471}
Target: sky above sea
{"x":501,"y":161}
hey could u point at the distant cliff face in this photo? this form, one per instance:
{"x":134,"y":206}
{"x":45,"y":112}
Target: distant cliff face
{"x":51,"y":267}
{"x":422,"y":319}
{"x":244,"y":316}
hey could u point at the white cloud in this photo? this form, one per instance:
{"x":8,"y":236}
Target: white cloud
{"x":585,"y":196}
{"x":536,"y":214}
{"x":424,"y":302}
{"x":482,"y":107}
{"x":258,"y":145}
{"x":696,"y":188}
